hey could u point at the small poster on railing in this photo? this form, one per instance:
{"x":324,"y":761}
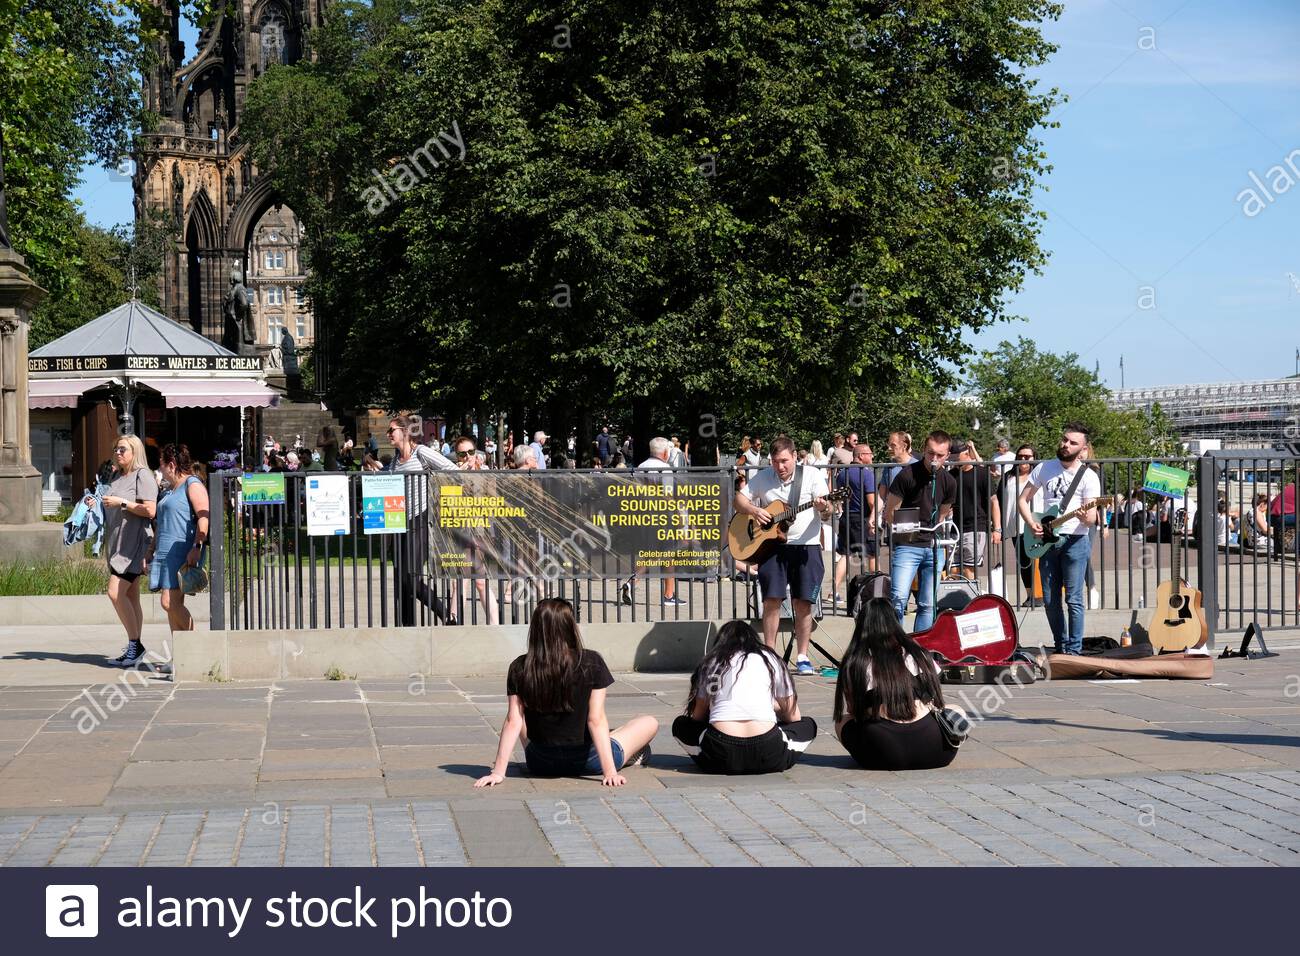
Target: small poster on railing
{"x":1166,"y":480}
{"x":383,"y":504}
{"x":263,"y":488}
{"x":327,"y":505}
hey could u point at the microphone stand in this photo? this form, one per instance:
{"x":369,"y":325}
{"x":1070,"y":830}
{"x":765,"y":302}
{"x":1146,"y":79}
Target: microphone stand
{"x":934,"y":543}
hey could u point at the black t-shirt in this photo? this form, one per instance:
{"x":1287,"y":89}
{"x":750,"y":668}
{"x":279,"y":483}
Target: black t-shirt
{"x":913,"y":485}
{"x":973,"y":492}
{"x":564,"y":729}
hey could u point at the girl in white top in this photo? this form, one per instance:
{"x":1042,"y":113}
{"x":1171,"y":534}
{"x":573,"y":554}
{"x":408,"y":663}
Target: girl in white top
{"x":742,"y":715}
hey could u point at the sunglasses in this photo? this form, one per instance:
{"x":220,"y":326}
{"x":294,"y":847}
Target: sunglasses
{"x":463,"y":453}
{"x":121,"y":449}
{"x":395,"y":428}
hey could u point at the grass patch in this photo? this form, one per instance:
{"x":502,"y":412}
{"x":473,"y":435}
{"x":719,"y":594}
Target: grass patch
{"x":216,"y":675}
{"x":57,"y":577}
{"x":60,"y":516}
{"x":336,"y":673}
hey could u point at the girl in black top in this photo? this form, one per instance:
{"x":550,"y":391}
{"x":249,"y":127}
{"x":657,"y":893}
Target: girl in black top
{"x":886,"y":697}
{"x":557,"y":708}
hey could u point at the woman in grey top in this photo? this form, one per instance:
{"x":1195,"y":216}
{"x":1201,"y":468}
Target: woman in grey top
{"x":129,"y":510}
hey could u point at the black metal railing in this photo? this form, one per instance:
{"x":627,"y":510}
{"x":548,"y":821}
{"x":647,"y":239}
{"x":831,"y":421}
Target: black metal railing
{"x":268,"y":573}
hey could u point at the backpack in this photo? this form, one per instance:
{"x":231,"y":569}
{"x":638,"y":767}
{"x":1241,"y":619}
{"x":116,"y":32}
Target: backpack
{"x":865,"y":586}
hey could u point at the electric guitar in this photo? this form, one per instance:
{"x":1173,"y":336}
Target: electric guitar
{"x":1179,"y":620}
{"x":1037,"y":545}
{"x":750,"y":541}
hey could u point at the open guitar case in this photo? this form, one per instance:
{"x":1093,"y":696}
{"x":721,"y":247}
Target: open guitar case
{"x":970,"y":655}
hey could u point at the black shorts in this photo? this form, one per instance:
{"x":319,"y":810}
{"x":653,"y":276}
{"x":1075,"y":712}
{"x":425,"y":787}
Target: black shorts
{"x":888,"y":745}
{"x":127,"y":576}
{"x":772,"y":752}
{"x":796,"y":566}
{"x":855,"y":536}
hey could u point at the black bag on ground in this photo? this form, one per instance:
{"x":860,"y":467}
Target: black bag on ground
{"x":1096,"y":646}
{"x":865,"y":586}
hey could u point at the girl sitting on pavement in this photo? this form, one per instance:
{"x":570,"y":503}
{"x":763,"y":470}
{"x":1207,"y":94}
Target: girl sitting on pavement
{"x":557,"y":708}
{"x":742,"y":715}
{"x":887,"y":696}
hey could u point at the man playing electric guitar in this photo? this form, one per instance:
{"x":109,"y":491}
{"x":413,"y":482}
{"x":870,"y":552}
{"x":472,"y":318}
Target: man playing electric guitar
{"x":797,"y":563}
{"x":1065,"y":566}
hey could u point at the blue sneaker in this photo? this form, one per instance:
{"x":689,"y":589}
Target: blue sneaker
{"x":805,"y":667}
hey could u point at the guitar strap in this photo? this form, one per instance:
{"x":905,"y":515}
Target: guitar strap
{"x":796,"y":488}
{"x":1063,"y":507}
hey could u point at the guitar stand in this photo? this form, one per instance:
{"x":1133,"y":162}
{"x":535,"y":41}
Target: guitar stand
{"x":1253,"y":630}
{"x":789,"y":646}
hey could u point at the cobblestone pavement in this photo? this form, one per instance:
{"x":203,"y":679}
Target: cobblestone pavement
{"x":366,"y":773}
{"x":1180,"y":819}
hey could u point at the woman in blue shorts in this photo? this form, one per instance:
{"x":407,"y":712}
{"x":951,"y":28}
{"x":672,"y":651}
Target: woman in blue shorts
{"x":557,"y":708}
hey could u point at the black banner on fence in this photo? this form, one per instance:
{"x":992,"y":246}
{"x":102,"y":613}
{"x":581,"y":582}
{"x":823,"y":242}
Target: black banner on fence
{"x":528,"y":523}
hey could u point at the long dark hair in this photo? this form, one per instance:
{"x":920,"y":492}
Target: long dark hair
{"x":550,"y":673}
{"x":734,"y":637}
{"x":880,"y":642}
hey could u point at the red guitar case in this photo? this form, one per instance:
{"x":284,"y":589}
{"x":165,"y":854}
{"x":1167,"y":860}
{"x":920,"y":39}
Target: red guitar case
{"x":979,"y":644}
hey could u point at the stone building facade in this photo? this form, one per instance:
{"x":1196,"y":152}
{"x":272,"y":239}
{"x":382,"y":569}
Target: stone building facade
{"x":195,"y":173}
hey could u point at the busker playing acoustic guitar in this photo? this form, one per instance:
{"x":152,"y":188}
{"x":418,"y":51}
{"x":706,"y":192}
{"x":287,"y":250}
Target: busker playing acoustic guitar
{"x":1065,"y":565}
{"x":798,"y":562}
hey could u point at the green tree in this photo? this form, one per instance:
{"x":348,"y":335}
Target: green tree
{"x":720,"y":207}
{"x":69,"y":93}
{"x":101,"y":265}
{"x":1028,"y":395}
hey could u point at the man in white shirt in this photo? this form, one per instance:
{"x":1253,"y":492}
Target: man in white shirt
{"x":1065,"y":566}
{"x":539,"y":451}
{"x":661,"y":450}
{"x":796,"y":565}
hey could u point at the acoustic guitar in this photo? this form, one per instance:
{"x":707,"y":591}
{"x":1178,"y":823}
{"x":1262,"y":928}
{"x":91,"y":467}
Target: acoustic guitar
{"x":983,"y":632}
{"x":1179,"y":620}
{"x":750,"y":541}
{"x":1037,"y":545}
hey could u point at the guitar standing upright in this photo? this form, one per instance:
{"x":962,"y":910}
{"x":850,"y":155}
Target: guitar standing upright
{"x":1179,"y":620}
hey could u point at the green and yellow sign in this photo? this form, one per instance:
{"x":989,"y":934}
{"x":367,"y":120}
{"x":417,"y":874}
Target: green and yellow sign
{"x":1166,"y":480}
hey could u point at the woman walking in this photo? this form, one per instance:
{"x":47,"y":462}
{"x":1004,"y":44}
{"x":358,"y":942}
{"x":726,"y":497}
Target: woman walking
{"x":412,"y":458}
{"x":181,"y":535}
{"x":556,"y":708}
{"x":129,"y":509}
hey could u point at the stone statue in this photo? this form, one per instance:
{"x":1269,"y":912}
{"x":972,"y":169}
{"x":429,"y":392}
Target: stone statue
{"x":178,"y":194}
{"x":4,"y":218}
{"x":238,"y":333}
{"x":230,"y":186}
{"x":288,"y":352}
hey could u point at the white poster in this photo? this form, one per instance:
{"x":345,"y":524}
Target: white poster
{"x":979,"y":628}
{"x":328,"y":505}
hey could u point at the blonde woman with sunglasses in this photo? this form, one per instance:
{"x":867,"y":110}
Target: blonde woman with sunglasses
{"x":129,"y":510}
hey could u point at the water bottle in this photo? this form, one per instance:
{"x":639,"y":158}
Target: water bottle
{"x":1125,"y":638}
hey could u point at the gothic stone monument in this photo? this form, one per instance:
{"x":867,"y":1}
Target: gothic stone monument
{"x":23,"y":535}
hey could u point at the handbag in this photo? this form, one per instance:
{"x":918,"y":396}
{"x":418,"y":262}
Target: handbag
{"x":954,"y":724}
{"x":193,"y":578}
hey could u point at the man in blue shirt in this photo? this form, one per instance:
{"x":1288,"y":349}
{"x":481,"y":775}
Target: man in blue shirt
{"x":855,"y":537}
{"x":539,"y":451}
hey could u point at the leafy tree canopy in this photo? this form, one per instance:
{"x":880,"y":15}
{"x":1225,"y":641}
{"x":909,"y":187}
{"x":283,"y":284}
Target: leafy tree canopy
{"x":746,"y":207}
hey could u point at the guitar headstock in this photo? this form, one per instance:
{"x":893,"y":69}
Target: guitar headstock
{"x":839,"y":494}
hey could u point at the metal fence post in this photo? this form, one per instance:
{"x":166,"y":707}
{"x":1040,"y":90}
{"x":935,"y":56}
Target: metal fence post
{"x":217,"y":551}
{"x":1207,"y":568}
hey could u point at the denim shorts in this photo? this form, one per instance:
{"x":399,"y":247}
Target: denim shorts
{"x":546,"y":761}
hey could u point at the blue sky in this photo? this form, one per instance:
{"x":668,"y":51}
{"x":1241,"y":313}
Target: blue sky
{"x":1173,"y":103}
